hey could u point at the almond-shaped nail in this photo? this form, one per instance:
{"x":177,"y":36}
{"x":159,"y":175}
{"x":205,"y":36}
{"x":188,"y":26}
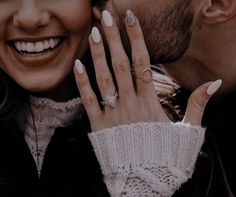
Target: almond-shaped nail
{"x":96,"y":36}
{"x":214,"y":86}
{"x":79,"y":66}
{"x":107,"y":18}
{"x":130,"y":18}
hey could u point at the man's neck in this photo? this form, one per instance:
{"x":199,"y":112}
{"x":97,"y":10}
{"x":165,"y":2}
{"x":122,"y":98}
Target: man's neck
{"x":208,"y":58}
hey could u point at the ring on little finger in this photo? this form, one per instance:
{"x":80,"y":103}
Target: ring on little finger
{"x":144,"y":78}
{"x":110,"y":101}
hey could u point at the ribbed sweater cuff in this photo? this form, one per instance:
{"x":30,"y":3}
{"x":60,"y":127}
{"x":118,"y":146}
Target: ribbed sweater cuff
{"x":172,"y":145}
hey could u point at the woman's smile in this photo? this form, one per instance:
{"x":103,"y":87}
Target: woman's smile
{"x":39,"y":40}
{"x":40,"y":50}
{"x":36,"y":48}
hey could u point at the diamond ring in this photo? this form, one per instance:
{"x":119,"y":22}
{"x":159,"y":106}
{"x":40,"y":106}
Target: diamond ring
{"x":110,"y":101}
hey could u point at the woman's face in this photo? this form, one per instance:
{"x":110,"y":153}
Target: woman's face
{"x":40,"y":39}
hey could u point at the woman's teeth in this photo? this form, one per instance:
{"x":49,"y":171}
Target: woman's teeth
{"x":36,"y":47}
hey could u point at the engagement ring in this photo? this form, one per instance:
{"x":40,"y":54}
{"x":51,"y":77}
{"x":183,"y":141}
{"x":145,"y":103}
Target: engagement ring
{"x":110,"y":101}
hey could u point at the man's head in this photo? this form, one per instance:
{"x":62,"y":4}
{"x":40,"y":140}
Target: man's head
{"x":211,"y":53}
{"x":166,"y":25}
{"x":169,"y":26}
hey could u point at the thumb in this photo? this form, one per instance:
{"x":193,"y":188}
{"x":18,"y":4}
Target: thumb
{"x":198,"y":100}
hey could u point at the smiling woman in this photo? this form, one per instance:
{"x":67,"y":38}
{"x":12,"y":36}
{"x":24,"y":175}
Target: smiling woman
{"x":40,"y":40}
{"x":44,"y":143}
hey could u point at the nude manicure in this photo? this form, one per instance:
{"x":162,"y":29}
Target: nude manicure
{"x":130,"y":18}
{"x":214,"y":87}
{"x":79,"y":66}
{"x":107,"y":18}
{"x":96,"y":36}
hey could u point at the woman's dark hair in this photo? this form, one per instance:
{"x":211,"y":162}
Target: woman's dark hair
{"x":100,"y":3}
{"x":94,"y":2}
{"x":12,"y":97}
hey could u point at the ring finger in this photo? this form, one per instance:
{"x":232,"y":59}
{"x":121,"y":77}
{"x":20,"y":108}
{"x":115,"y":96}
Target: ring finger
{"x":140,"y":55}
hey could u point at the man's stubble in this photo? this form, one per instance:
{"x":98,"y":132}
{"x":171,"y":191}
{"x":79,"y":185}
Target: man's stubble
{"x":167,"y":33}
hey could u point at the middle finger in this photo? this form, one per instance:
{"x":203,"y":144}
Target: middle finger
{"x":120,"y":61}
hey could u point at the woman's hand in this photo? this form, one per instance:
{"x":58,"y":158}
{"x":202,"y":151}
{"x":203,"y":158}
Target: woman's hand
{"x":135,"y":102}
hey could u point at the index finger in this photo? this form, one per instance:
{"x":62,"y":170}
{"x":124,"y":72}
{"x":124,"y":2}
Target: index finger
{"x":120,"y":61}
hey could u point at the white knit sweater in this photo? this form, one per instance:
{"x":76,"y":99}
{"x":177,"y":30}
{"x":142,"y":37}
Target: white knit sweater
{"x":142,"y":159}
{"x":147,"y":159}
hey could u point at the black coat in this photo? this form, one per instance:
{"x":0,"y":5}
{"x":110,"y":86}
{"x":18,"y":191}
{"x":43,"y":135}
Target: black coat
{"x":215,"y":173}
{"x":70,"y":168}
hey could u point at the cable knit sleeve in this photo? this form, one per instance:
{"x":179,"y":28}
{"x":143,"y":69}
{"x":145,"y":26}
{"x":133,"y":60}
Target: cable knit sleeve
{"x":147,"y":159}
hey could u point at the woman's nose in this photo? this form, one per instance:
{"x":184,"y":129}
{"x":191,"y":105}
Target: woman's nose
{"x":31,"y":16}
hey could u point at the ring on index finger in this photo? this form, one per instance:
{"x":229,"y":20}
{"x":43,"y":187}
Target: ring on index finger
{"x":144,"y":78}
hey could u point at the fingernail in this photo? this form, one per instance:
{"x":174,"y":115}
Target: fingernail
{"x":96,"y":36}
{"x":130,"y":18}
{"x":214,"y":87}
{"x":107,"y":18}
{"x":79,"y":66}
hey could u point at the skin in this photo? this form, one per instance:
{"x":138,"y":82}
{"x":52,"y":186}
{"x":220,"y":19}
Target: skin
{"x":33,"y":21}
{"x":136,"y":103}
{"x":210,"y":54}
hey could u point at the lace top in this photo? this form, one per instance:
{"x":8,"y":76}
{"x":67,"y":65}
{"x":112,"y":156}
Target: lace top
{"x":47,"y":115}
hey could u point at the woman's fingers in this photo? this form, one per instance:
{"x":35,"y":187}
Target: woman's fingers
{"x":120,"y":61}
{"x":88,"y":97}
{"x":103,"y":74}
{"x":198,"y":100}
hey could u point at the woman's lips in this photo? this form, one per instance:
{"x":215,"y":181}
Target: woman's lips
{"x":27,"y":51}
{"x":36,"y":47}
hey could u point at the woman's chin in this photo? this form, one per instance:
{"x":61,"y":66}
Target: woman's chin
{"x":60,"y":89}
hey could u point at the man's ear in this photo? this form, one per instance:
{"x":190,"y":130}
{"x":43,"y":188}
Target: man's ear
{"x":216,"y":11}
